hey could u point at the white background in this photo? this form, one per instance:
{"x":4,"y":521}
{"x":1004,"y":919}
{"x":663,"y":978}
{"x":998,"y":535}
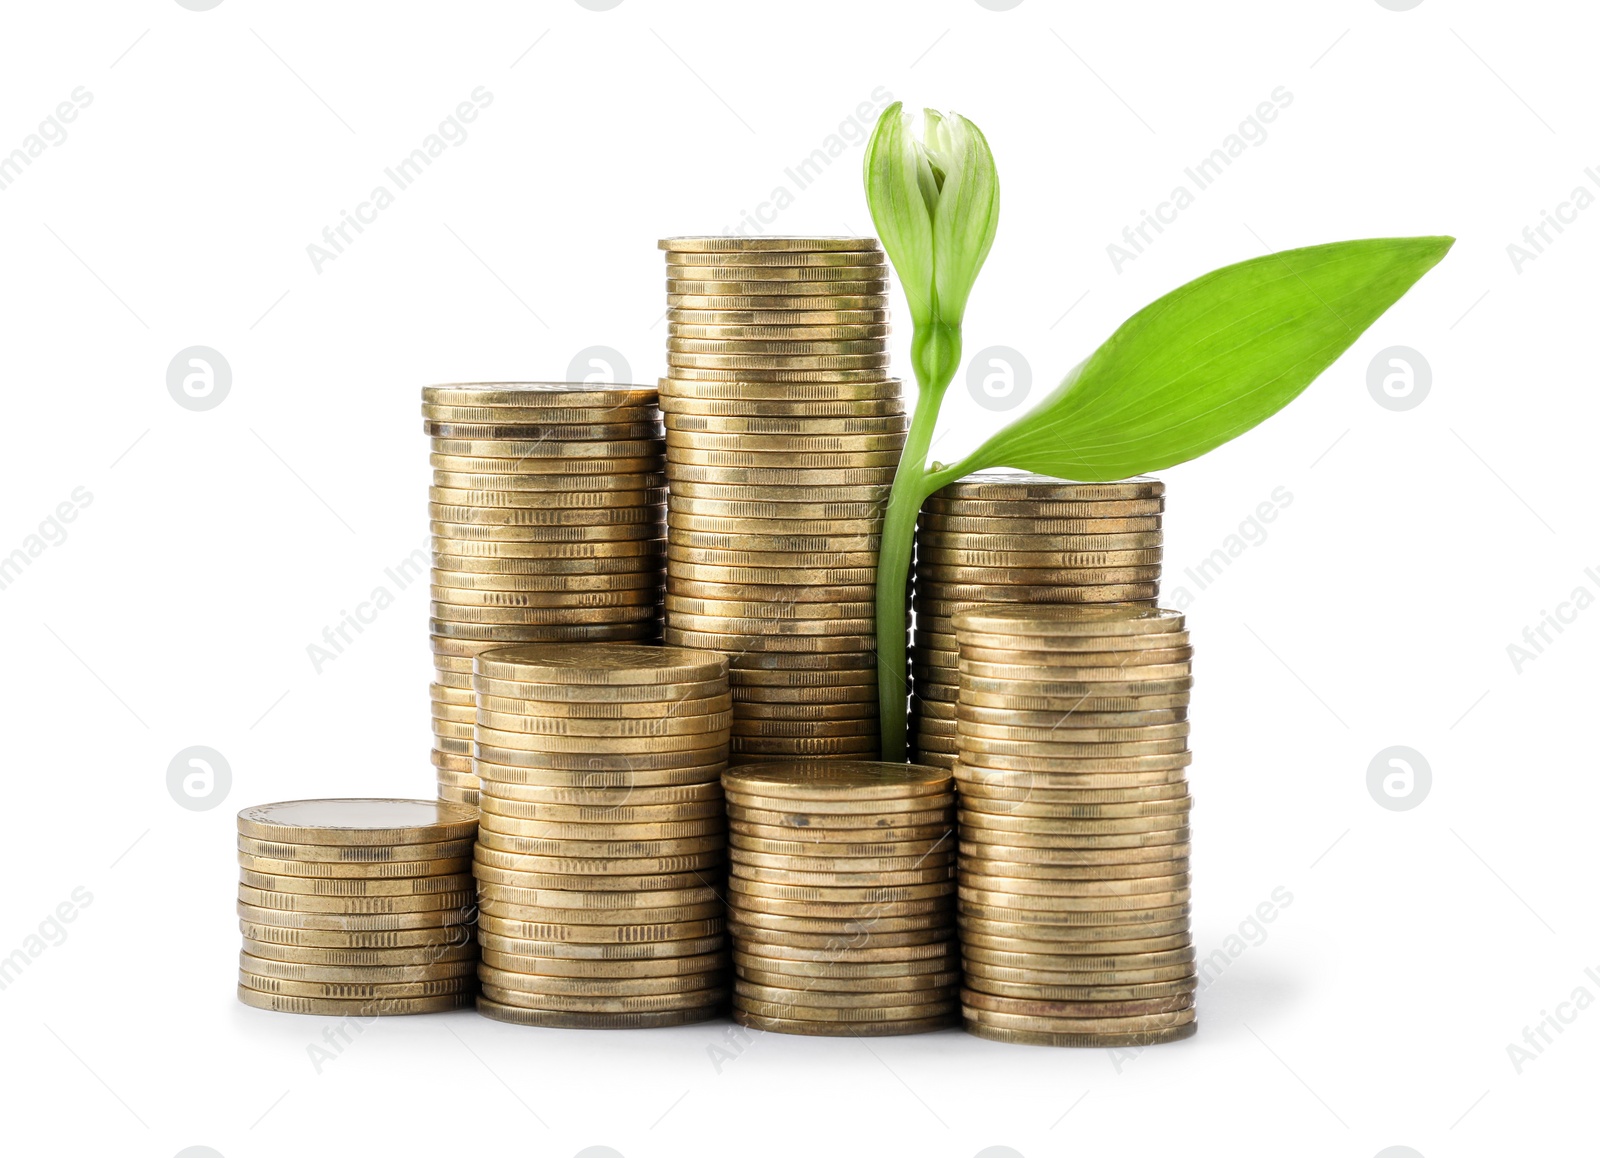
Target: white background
{"x":1378,"y":1007}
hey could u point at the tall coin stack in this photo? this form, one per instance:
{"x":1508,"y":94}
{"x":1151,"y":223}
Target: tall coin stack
{"x":359,"y":907}
{"x":602,"y":837}
{"x":546,"y":511}
{"x":783,"y":433}
{"x":1074,"y":855}
{"x":840,"y":897}
{"x":1003,"y":537}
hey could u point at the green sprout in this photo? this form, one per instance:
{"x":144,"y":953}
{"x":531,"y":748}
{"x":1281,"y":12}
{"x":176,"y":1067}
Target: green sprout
{"x":1190,"y":371}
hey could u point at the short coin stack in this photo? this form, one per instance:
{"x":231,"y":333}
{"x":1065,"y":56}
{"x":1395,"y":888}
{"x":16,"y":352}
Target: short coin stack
{"x":1074,"y":864}
{"x":356,"y":906}
{"x":546,"y":511}
{"x":1003,"y":537}
{"x":602,"y":838}
{"x":840,"y":897}
{"x":783,"y":433}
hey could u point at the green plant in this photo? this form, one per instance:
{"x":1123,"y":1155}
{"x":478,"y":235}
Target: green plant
{"x":1190,"y":371}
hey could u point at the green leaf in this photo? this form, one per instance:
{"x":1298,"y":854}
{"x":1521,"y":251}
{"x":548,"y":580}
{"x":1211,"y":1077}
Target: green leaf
{"x":968,"y":212}
{"x":1210,"y":360}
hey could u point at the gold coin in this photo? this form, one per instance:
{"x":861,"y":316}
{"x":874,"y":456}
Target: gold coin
{"x":447,"y":599}
{"x":1056,"y":744}
{"x":873,"y":271}
{"x":781,"y":363}
{"x":1043,"y":807}
{"x":742,"y":890}
{"x":592,"y":831}
{"x":507,"y":467}
{"x":803,"y":816}
{"x":971,"y":818}
{"x":819,"y":283}
{"x":987,"y":961}
{"x":939,"y":504}
{"x":744,"y":906}
{"x":1061,"y":1022}
{"x":528,"y":766}
{"x":494,"y":742}
{"x":335,"y":922}
{"x":602,"y":871}
{"x":827,"y":972}
{"x":769,"y":578}
{"x":678,"y":724}
{"x":738,"y":243}
{"x":365,"y":822}
{"x":1065,"y":765}
{"x":383,"y":903}
{"x":888,"y":987}
{"x":1099,"y":622}
{"x":1097,"y":1041}
{"x":1031,"y":905}
{"x":879,"y":476}
{"x":557,"y":417}
{"x":770,"y":411}
{"x":1029,"y":560}
{"x":851,"y":781}
{"x":1076,"y":969}
{"x":834,"y":808}
{"x":460,"y":955}
{"x":599,"y":882}
{"x":440,"y":938}
{"x":1041,"y":925}
{"x":823,"y":869}
{"x":547,"y":518}
{"x":749,"y":455}
{"x":359,"y":990}
{"x":714,"y":557}
{"x":593,"y":1004}
{"x":331,"y":859}
{"x":610,"y":958}
{"x":845,"y":1028}
{"x":782,"y":304}
{"x":785,"y":1011}
{"x":1162,"y":722}
{"x":702,"y":332}
{"x":972,"y":531}
{"x":356,"y":1007}
{"x":935,"y":951}
{"x":809,"y":389}
{"x":698,"y":794}
{"x":857,"y":252}
{"x":741,"y":316}
{"x":603,"y":989}
{"x":592,"y":969}
{"x":1003,"y":483}
{"x":566,"y":394}
{"x":828,"y":1004}
{"x":605,"y":700}
{"x":601,"y":933}
{"x":796,"y":507}
{"x":855,"y":937}
{"x":863,"y":836}
{"x":803,"y":847}
{"x":804,"y":600}
{"x":933,"y":581}
{"x":543,"y":434}
{"x":460,"y":880}
{"x":594,"y":666}
{"x":608,"y":902}
{"x":605,"y":814}
{"x":597,"y":486}
{"x":552,"y":505}
{"x":551,"y":1019}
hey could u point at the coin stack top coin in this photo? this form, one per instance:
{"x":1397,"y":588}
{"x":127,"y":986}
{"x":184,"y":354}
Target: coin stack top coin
{"x":601,"y":845}
{"x":783,"y":431}
{"x":1074,"y":817}
{"x":360,"y":907}
{"x":1003,"y":537}
{"x":840,"y":897}
{"x":547,"y":511}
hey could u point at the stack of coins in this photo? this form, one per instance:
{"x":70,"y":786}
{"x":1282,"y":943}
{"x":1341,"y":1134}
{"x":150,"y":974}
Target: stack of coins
{"x":546,"y":511}
{"x":782,"y":437}
{"x":840,"y":897}
{"x":1074,"y":865}
{"x":357,"y":907}
{"x":1003,"y":537}
{"x":602,"y":836}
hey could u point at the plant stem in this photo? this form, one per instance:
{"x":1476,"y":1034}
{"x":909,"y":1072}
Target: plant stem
{"x":936,"y":351}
